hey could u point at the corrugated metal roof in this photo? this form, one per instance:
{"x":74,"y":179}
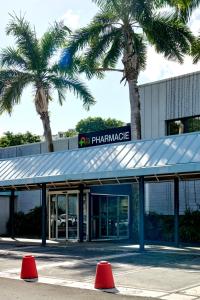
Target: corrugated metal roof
{"x":167,"y":155}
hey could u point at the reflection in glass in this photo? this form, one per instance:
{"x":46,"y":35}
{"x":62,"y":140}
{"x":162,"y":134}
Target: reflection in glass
{"x":53,"y":207}
{"x":72,"y":216}
{"x":61,"y":220}
{"x":109,"y":217}
{"x":123,"y":216}
{"x":84,"y":217}
{"x":112,"y":216}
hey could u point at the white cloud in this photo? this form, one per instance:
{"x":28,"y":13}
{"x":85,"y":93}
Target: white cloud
{"x":71,"y":19}
{"x":194,"y":23}
{"x":159,"y":68}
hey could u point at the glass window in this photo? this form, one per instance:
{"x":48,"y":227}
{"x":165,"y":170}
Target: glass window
{"x":109,"y":217}
{"x":183,"y":125}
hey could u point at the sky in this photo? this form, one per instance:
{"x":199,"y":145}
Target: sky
{"x":111,"y":97}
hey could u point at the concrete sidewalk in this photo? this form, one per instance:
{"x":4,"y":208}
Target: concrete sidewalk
{"x":160,"y":272}
{"x":16,"y":289}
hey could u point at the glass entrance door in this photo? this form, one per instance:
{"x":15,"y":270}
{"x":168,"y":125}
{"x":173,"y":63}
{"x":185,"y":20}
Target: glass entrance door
{"x":61,"y":218}
{"x":53,"y":217}
{"x":63,"y":215}
{"x":112,"y":217}
{"x":57,"y":216}
{"x":109,"y":217}
{"x":72,"y":212}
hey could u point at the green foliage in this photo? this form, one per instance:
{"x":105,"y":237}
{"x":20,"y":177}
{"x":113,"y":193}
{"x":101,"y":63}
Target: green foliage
{"x":189,"y":224}
{"x":183,"y":8}
{"x":172,"y":37}
{"x":28,"y":225}
{"x":105,"y":39}
{"x":70,"y":133}
{"x":120,"y":33}
{"x":11,"y":139}
{"x":30,"y":63}
{"x":97,"y":124}
{"x":160,"y":227}
{"x":195,"y":50}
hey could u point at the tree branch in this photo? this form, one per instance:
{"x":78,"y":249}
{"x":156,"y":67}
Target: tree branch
{"x":109,"y":69}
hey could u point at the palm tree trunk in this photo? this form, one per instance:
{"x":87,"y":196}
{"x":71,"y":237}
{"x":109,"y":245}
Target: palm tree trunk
{"x":47,"y":130}
{"x":131,"y":71}
{"x":135,"y":110}
{"x":41,"y":105}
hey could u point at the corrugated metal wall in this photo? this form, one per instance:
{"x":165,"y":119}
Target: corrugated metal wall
{"x":172,"y":98}
{"x":160,"y":101}
{"x":37,"y":148}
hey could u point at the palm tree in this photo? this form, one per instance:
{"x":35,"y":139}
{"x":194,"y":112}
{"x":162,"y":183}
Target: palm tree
{"x":195,"y":50}
{"x":122,"y":30}
{"x":31,"y":63}
{"x":183,"y":8}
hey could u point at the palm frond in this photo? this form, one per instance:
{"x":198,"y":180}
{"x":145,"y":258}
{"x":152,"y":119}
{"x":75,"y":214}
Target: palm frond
{"x":106,"y":17}
{"x":183,"y":8}
{"x":113,"y":53}
{"x":104,"y":4}
{"x":120,"y":9}
{"x":84,"y":36}
{"x":69,"y":70}
{"x":141,"y":10}
{"x":75,"y":86}
{"x":12,"y":89}
{"x":61,"y":95}
{"x":140,"y":49}
{"x":195,"y":50}
{"x":12,"y":57}
{"x":53,"y":39}
{"x":100,"y":45}
{"x":7,"y":75}
{"x":26,"y":40}
{"x":90,"y":69}
{"x":169,"y":36}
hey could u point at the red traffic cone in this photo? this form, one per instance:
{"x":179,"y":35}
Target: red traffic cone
{"x":104,"y":277}
{"x":29,"y":270}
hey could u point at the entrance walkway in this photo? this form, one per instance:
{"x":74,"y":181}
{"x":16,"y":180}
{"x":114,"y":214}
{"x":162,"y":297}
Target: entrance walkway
{"x":160,"y":272}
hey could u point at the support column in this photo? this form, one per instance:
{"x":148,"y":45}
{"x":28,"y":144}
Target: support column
{"x":80,"y":217}
{"x":130,"y":213}
{"x":44,"y":215}
{"x":89,"y":217}
{"x":176,"y":212}
{"x":12,"y":212}
{"x":141,"y":213}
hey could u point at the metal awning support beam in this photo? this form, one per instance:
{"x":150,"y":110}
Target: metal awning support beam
{"x":141,"y":212}
{"x":12,"y":213}
{"x":176,"y":211}
{"x":44,"y":215}
{"x":80,"y":219}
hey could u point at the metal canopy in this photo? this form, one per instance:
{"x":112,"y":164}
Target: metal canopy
{"x":155,"y":157}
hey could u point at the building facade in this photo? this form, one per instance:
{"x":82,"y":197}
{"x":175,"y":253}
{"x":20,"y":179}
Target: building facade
{"x":168,"y":107}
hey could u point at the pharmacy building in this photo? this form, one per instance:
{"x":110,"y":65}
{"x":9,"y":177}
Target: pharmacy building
{"x":104,"y":186}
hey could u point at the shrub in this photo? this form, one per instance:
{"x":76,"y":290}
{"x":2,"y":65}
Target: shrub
{"x":27,"y":225}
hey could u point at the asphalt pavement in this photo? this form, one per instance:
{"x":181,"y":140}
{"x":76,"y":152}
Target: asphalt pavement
{"x":69,"y":271}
